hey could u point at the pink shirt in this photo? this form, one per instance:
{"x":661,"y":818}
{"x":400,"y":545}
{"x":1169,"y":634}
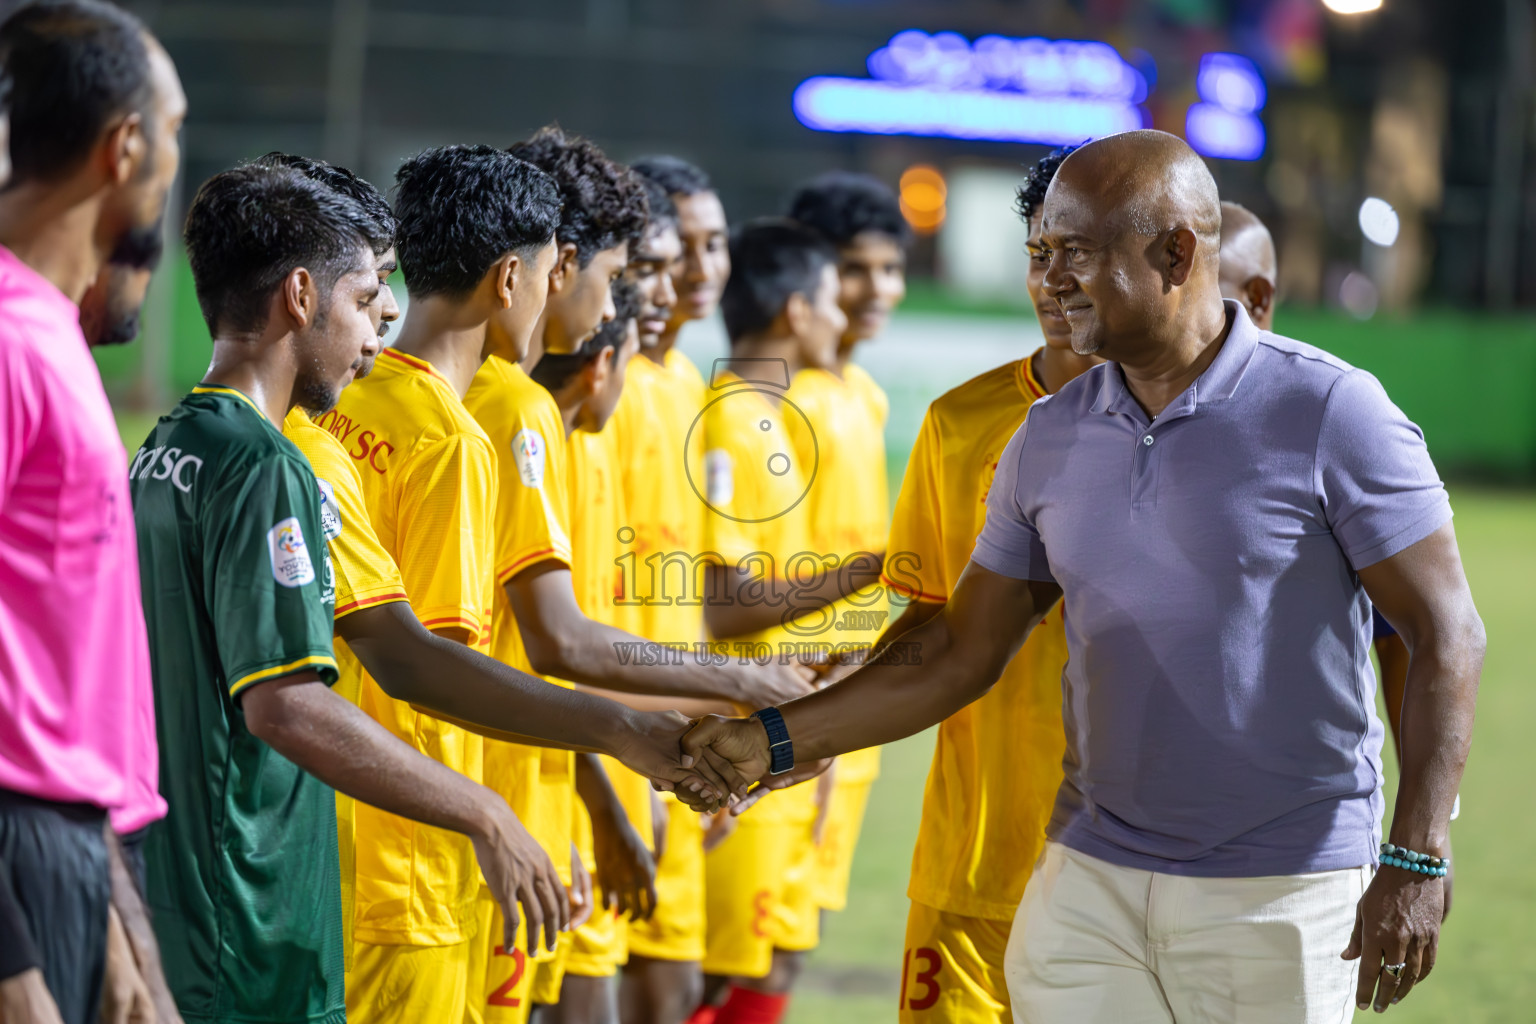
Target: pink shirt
{"x":77,"y":719}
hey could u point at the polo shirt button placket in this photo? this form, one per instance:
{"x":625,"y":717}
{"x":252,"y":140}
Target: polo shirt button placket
{"x":1144,"y":480}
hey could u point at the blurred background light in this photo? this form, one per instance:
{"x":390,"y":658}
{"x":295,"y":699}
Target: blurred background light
{"x":996,"y":89}
{"x":1378,"y":221}
{"x":1359,"y":296}
{"x":880,"y":108}
{"x":924,"y":194}
{"x":1225,"y":122}
{"x":1215,"y":132}
{"x":1352,"y":6}
{"x":1231,"y":81}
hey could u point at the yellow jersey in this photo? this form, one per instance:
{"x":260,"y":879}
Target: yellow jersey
{"x":757,"y":518}
{"x":427,"y":474}
{"x":365,"y":576}
{"x":842,"y":433}
{"x":532,"y":506}
{"x":997,"y":763}
{"x":597,"y":516}
{"x":658,"y":451}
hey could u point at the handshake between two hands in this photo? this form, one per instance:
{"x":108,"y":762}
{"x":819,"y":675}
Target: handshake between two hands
{"x":709,"y":763}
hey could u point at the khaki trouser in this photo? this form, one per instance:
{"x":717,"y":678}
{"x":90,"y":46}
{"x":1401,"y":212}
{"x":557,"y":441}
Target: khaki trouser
{"x":1095,"y":942}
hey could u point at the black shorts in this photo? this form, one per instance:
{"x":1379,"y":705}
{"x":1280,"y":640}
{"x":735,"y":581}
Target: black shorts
{"x":55,"y":859}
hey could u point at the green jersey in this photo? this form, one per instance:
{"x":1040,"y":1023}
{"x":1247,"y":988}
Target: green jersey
{"x":243,"y":871}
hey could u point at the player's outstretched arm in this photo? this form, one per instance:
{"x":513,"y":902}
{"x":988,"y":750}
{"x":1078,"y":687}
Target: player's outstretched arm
{"x":451,"y":681}
{"x":741,"y":603}
{"x":918,"y":680}
{"x":1423,"y":593}
{"x":562,"y":641}
{"x":329,"y":737}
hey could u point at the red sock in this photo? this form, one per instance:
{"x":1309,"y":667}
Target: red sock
{"x":745,"y":1006}
{"x":705,"y":1014}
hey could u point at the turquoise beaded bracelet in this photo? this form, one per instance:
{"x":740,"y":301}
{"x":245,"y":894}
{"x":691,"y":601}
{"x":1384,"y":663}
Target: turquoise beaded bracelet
{"x":1408,"y":860}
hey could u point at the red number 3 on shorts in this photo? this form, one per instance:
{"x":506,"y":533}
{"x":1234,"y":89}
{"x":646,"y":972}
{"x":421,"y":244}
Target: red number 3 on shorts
{"x":926,"y":975}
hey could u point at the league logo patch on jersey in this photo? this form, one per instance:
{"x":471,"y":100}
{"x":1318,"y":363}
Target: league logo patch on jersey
{"x":330,"y":512}
{"x":719,"y":480}
{"x":291,"y":566}
{"x":528,"y":451}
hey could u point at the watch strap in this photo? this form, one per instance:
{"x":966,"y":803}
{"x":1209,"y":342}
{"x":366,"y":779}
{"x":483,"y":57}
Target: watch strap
{"x":781,"y":751}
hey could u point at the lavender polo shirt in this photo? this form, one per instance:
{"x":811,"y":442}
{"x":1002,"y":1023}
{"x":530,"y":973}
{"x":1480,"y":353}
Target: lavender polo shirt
{"x":1219,"y":700}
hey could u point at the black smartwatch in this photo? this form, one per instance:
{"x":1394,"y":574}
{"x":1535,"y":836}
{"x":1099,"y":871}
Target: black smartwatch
{"x":780,"y":750}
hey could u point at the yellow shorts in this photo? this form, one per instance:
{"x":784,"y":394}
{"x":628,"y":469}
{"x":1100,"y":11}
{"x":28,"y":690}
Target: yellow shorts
{"x":952,"y":969}
{"x":676,"y":930}
{"x":408,"y":984}
{"x":760,"y":895}
{"x":549,"y":972}
{"x":505,"y":984}
{"x":599,"y":947}
{"x":834,"y":856}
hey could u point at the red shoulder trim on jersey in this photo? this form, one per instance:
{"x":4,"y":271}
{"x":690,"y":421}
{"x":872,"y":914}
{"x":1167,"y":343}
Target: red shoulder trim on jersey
{"x":369,"y":602}
{"x":527,"y":560}
{"x":908,"y":592}
{"x":413,"y":362}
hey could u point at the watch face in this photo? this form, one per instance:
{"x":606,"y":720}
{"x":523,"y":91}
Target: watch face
{"x":752,"y":471}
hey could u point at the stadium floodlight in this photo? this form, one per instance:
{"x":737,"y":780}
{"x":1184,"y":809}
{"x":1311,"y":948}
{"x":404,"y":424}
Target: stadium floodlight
{"x":1379,"y":222}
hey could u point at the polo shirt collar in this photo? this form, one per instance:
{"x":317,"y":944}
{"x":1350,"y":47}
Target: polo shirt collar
{"x":1221,"y":379}
{"x":1111,"y":387}
{"x":1217,"y":384}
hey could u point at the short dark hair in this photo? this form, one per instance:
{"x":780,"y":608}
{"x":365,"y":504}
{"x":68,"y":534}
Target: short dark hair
{"x":1031,"y":194}
{"x":604,"y":202}
{"x":659,"y":205}
{"x":673,"y":173}
{"x":75,"y":65}
{"x":248,"y":228}
{"x":772,"y":258}
{"x":459,"y":209}
{"x":348,"y":184}
{"x":555,"y":371}
{"x":841,"y":205}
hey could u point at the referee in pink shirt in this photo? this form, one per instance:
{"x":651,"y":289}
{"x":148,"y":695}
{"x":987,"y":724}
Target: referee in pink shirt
{"x":95,"y":108}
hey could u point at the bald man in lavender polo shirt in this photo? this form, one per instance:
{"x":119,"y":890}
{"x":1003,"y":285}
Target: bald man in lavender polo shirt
{"x":1215,"y":506}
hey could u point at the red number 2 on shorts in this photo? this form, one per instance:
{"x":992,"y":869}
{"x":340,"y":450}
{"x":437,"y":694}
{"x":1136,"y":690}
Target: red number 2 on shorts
{"x":927,"y":976}
{"x":503,"y":996}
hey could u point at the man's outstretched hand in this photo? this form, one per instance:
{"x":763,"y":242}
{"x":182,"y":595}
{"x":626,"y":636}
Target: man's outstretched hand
{"x":739,"y":747}
{"x":652,"y":746}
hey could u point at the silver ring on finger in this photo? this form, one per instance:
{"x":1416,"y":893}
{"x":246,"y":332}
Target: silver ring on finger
{"x":1396,"y":970}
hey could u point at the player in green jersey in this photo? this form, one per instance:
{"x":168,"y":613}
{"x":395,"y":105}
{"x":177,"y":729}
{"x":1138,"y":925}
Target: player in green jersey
{"x":243,"y":873}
